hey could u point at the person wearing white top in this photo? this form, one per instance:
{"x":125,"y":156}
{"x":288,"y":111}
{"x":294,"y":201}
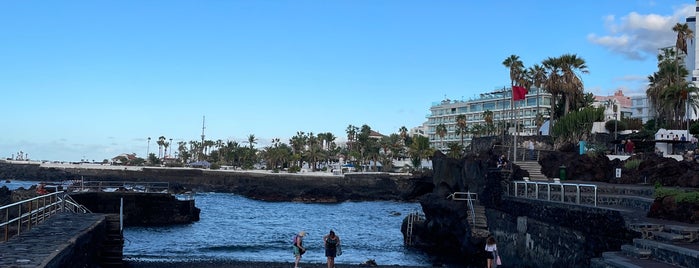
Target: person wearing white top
{"x":491,"y":252}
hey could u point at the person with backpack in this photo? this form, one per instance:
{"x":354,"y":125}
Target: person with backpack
{"x":298,"y":247}
{"x":332,"y":245}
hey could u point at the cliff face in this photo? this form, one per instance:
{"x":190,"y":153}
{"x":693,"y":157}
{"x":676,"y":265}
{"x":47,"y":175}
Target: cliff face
{"x":263,"y":186}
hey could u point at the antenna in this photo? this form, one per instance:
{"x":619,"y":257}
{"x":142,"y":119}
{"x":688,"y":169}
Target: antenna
{"x":203,"y":126}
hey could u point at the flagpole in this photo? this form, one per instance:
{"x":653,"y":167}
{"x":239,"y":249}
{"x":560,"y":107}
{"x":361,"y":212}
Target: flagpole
{"x":514,"y":141}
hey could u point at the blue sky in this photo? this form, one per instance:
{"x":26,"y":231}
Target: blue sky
{"x":93,"y":79}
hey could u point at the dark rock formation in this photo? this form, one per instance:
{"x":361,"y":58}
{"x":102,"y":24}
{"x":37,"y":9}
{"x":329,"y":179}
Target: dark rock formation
{"x":593,"y":167}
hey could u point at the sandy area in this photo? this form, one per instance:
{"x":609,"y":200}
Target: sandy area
{"x":242,"y":264}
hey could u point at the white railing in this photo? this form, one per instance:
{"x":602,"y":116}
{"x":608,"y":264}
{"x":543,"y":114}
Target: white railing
{"x":548,"y":191}
{"x":112,"y":186}
{"x":23,"y":215}
{"x":469,"y":197}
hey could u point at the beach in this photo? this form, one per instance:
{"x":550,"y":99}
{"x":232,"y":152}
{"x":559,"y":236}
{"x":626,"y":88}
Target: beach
{"x":243,"y":264}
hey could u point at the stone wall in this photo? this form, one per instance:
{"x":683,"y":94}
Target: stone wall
{"x":532,"y":233}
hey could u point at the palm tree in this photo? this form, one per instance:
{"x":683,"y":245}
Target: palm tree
{"x":161,"y":143}
{"x":252,"y":140}
{"x":684,"y":34}
{"x":572,"y":86}
{"x":351,"y":135}
{"x":516,"y":68}
{"x":441,"y":131}
{"x":488,"y":118}
{"x":461,"y":126}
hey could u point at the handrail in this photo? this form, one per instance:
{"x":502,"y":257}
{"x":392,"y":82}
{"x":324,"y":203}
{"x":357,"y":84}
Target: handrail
{"x":33,"y":211}
{"x":73,"y":206}
{"x":27,"y":213}
{"x":470,"y":197}
{"x":110,"y":186}
{"x":549,"y":185}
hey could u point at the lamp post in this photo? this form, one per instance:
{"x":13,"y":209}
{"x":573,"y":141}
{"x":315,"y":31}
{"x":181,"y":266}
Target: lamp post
{"x":148,"y":148}
{"x":170,"y":146}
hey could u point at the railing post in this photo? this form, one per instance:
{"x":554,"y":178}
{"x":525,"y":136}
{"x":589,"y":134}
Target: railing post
{"x":595,"y":187}
{"x":548,"y":192}
{"x":563,"y":193}
{"x":577,"y":194}
{"x":516,"y":188}
{"x":536,"y":191}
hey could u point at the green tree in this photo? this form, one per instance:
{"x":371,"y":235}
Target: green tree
{"x":441,"y":131}
{"x":461,"y":127}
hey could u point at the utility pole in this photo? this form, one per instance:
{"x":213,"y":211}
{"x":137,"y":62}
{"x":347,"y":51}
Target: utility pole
{"x":203,"y":126}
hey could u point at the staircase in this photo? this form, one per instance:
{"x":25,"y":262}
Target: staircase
{"x":661,"y":243}
{"x":534,"y":170}
{"x":479,"y":227}
{"x":112,"y":251}
{"x":475,"y":213}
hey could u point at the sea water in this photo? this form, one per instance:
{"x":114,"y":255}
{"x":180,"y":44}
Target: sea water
{"x":233,"y":227}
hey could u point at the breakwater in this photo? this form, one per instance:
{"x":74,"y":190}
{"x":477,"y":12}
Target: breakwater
{"x":305,"y":187}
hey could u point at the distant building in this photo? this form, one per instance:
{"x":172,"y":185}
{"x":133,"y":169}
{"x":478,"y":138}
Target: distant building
{"x":499,"y":102}
{"x":419,"y":131}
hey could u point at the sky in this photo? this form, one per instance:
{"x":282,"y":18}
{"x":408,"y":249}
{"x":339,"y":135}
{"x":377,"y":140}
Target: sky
{"x":94,"y":79}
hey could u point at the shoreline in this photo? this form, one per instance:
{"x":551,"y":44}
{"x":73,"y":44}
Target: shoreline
{"x":242,"y":264}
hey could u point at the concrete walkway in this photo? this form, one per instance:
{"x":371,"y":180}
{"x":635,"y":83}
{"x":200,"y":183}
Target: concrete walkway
{"x":44,"y":243}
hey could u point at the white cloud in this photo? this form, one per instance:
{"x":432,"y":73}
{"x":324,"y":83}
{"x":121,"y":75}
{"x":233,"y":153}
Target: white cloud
{"x":637,"y":36}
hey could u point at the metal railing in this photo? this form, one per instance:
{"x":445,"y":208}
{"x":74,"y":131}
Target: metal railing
{"x":523,"y":154}
{"x":469,"y":197}
{"x":549,"y":191}
{"x":113,"y":186}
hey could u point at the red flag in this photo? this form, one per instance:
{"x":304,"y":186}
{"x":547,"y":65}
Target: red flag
{"x":518,"y":93}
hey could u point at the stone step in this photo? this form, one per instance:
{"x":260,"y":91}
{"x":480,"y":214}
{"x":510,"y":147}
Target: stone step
{"x":635,"y":252}
{"x":617,"y":259}
{"x":674,"y":254}
{"x":665,"y":236}
{"x":690,"y":234}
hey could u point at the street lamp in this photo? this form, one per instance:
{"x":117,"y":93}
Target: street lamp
{"x":170,"y":146}
{"x":148,"y":148}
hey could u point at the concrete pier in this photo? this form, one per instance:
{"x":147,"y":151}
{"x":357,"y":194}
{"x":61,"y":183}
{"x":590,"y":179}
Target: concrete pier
{"x":64,"y":240}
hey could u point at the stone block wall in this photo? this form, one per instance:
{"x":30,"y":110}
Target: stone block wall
{"x":533,"y":233}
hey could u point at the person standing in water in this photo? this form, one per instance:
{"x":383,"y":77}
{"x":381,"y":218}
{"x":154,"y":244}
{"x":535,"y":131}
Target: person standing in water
{"x":332,"y":242}
{"x":298,"y":248}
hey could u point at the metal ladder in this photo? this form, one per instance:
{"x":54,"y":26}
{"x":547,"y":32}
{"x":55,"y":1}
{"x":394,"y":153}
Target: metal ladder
{"x":412,"y":218}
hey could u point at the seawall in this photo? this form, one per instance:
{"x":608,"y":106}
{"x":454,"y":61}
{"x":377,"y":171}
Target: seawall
{"x":307,"y":187}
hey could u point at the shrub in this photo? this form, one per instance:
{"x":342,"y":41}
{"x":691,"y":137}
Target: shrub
{"x":632,"y":163}
{"x":681,"y":196}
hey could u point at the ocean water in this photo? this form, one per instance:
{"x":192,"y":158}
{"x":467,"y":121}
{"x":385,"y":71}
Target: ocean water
{"x":12,"y":185}
{"x":233,"y":227}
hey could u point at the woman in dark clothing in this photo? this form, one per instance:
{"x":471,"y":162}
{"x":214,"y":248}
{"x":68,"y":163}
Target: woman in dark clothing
{"x":332,"y":242}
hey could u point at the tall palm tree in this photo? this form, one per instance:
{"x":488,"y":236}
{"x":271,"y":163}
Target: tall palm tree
{"x":572,"y":66}
{"x":351,"y":135}
{"x":684,"y":34}
{"x":441,"y":131}
{"x":516,"y":71}
{"x":161,"y":143}
{"x":252,"y":140}
{"x":488,"y":118}
{"x":552,"y":84}
{"x":461,"y":126}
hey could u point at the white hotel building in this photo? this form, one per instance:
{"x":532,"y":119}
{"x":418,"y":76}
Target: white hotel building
{"x":499,"y":102}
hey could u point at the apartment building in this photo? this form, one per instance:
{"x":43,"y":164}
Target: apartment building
{"x":499,"y":102}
